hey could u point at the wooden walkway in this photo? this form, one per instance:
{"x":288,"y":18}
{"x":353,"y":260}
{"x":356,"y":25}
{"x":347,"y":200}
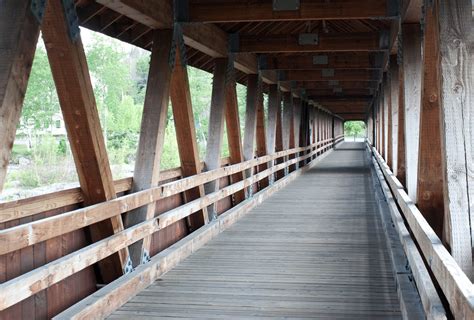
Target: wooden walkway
{"x":316,"y":249}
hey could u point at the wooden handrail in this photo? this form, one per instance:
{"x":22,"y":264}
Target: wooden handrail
{"x":456,"y":286}
{"x":40,"y":230}
{"x":38,"y":204}
{"x":28,"y":284}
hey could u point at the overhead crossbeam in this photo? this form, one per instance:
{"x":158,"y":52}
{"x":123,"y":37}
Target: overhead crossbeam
{"x":329,"y":74}
{"x":248,"y":11}
{"x":330,"y":42}
{"x":351,"y":60}
{"x":331,"y":84}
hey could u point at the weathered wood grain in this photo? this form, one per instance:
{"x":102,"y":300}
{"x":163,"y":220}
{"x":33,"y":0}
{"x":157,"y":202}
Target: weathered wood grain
{"x":457,"y":122}
{"x":150,"y":146}
{"x":303,"y":261}
{"x":76,"y":96}
{"x":186,"y":134}
{"x":19,"y":32}
{"x":454,"y":283}
{"x":412,"y":100}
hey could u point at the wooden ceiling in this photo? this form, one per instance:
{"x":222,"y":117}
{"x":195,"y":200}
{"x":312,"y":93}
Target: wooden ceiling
{"x":332,"y":52}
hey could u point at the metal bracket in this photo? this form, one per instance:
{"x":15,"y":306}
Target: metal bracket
{"x":181,"y":10}
{"x":393,"y":8}
{"x":234,"y":42}
{"x":320,"y":60}
{"x":308,"y":39}
{"x":281,"y":75}
{"x":271,"y":179}
{"x":286,"y":5}
{"x":38,"y":7}
{"x":178,"y":41}
{"x":145,"y":256}
{"x":230,"y":71}
{"x":262,"y":62}
{"x":384,"y":39}
{"x":327,"y":73}
{"x":128,"y":266}
{"x":72,"y":20}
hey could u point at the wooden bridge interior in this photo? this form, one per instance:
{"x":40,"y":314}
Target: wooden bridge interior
{"x":297,"y":223}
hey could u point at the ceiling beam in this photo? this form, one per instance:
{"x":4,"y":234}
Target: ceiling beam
{"x":329,"y":74}
{"x":339,"y":92}
{"x":331,"y":84}
{"x":364,"y":60}
{"x":327,"y":42}
{"x":247,"y":11}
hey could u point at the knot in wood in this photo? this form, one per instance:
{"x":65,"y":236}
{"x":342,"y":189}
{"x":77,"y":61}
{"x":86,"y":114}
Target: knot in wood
{"x":433,"y":98}
{"x":457,"y":89}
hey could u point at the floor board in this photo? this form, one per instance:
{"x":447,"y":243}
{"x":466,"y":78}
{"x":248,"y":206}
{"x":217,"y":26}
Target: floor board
{"x":315,"y":249}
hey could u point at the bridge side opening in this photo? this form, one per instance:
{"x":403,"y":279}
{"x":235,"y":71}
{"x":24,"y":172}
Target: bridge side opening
{"x":286,"y":78}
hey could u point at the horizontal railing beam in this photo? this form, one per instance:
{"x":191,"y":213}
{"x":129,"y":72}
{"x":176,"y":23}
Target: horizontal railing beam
{"x":28,"y":284}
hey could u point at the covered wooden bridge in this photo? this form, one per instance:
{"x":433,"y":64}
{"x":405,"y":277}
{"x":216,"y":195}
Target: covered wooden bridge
{"x":296,"y":223}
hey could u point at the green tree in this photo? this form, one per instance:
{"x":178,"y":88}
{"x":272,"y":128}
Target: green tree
{"x":41,"y":100}
{"x":354,"y":129}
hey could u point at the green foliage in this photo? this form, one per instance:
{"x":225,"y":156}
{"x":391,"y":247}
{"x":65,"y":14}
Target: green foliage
{"x":354,"y":129}
{"x":119,"y":75}
{"x":41,"y":100}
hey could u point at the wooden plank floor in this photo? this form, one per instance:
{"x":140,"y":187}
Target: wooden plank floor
{"x":316,"y":249}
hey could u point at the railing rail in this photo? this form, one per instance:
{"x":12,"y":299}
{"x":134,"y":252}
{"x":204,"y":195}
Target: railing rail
{"x":454,"y":283}
{"x":27,"y":234}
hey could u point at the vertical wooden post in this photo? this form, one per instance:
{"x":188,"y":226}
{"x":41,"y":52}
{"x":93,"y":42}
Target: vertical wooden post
{"x":388,"y":116}
{"x":287,"y":122}
{"x":382,"y":121}
{"x":457,"y":123}
{"x":150,"y":146}
{"x":273,"y":109}
{"x":71,"y":76}
{"x":186,"y":135}
{"x":377,"y":121}
{"x":233,"y":133}
{"x":394,"y":87}
{"x":19,"y":32}
{"x":412,"y":81}
{"x":251,"y":120}
{"x":430,"y":172}
{"x":401,"y":167}
{"x":295,"y":129}
{"x":279,"y":135}
{"x":260,"y":138}
{"x":216,"y":127}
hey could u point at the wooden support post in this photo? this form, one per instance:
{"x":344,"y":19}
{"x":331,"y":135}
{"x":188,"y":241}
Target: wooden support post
{"x":382,"y":121}
{"x":251,"y":120}
{"x":186,"y":136}
{"x":430,"y":172}
{"x":412,"y":85}
{"x":19,"y":32}
{"x":287,"y":122}
{"x":457,"y":123}
{"x":216,"y":128}
{"x":233,"y":134}
{"x":295,"y":130}
{"x":273,"y":109}
{"x":76,"y":97}
{"x":401,"y":167}
{"x":279,"y":135}
{"x":260,"y":138}
{"x":377,"y":122}
{"x":394,"y":88}
{"x":388,"y":117}
{"x":150,"y":146}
